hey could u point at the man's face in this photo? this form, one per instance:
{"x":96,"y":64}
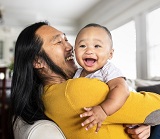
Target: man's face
{"x":57,"y":47}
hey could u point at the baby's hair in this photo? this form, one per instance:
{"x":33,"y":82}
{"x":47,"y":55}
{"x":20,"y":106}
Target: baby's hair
{"x":100,"y":26}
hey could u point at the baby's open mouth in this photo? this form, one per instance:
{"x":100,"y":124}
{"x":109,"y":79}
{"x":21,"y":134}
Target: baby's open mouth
{"x":89,"y":61}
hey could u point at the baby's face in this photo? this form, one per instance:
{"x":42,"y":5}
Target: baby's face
{"x":93,"y":48}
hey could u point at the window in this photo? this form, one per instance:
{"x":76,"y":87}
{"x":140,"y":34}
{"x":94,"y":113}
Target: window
{"x":153,"y":32}
{"x":124,"y":43}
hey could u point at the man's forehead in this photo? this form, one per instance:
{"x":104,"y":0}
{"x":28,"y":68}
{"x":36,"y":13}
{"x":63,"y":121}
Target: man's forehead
{"x":62,"y":35}
{"x":50,"y":31}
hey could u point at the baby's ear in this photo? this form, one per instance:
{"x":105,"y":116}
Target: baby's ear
{"x":111,"y":54}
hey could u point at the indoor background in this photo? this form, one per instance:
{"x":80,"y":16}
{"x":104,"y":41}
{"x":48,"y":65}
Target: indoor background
{"x":134,"y":24}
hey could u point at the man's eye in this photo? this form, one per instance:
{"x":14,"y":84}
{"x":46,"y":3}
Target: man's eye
{"x":82,"y":46}
{"x":97,"y":46}
{"x":59,"y":42}
{"x":66,"y":39}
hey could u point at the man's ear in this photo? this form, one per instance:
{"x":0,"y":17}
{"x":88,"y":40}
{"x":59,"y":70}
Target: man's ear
{"x":38,"y":63}
{"x":111,"y":54}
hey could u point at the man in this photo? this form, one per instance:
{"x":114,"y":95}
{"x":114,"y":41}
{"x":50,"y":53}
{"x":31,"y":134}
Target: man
{"x":44,"y":58}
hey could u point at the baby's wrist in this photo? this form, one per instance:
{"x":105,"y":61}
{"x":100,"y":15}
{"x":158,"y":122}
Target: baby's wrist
{"x":103,"y":110}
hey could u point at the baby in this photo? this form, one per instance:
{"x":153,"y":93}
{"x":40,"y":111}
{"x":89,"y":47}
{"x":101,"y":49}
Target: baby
{"x":93,"y":50}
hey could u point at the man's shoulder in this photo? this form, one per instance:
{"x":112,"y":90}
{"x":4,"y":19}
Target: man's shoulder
{"x":84,"y":80}
{"x":86,"y":83}
{"x":82,"y":92}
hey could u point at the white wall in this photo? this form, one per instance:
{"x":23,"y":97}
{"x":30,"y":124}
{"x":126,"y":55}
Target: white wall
{"x":113,"y":13}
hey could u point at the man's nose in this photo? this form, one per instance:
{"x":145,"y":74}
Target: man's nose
{"x":68,"y":46}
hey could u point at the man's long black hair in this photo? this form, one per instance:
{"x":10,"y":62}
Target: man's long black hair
{"x":26,"y":87}
{"x":27,"y":84}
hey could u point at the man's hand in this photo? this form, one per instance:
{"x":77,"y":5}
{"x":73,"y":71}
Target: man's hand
{"x":138,"y":131}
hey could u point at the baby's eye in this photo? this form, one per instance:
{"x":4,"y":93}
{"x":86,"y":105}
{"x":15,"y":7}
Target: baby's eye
{"x":97,"y":46}
{"x":82,"y":46}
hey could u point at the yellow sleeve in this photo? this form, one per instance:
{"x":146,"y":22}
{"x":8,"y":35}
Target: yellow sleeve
{"x":139,"y":107}
{"x":65,"y":102}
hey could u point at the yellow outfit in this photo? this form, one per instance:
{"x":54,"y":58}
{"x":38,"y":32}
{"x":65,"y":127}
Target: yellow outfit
{"x":65,"y":102}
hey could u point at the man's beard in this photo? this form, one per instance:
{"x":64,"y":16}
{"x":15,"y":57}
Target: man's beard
{"x":52,"y":65}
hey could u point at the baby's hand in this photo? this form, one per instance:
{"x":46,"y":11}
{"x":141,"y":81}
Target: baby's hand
{"x":96,"y":116}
